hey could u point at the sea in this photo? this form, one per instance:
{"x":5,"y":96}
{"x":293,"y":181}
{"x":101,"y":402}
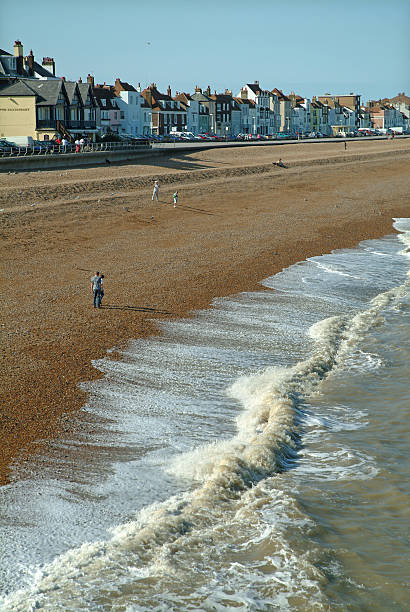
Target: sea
{"x":253,"y":456}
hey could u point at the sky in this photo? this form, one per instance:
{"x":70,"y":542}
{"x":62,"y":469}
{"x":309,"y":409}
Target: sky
{"x":311,"y":47}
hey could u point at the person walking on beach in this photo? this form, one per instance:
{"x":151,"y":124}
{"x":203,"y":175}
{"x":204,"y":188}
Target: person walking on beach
{"x":96,"y":290}
{"x":156,"y":191}
{"x":345,"y":145}
{"x":175,"y":199}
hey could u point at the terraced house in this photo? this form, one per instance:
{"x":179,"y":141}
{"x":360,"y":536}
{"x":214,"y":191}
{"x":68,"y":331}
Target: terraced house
{"x":264,"y":117}
{"x":42,"y":109}
{"x":168,"y":114}
{"x":135,"y":113}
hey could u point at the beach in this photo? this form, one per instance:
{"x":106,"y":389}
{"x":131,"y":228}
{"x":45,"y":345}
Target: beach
{"x":239,"y":220}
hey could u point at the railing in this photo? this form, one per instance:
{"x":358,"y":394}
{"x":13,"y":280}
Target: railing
{"x":55,"y":149}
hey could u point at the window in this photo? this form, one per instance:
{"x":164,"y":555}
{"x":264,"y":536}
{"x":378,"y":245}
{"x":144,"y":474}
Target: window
{"x":122,"y":115}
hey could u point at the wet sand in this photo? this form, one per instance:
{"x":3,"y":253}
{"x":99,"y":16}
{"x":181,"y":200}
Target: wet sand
{"x":239,"y":220}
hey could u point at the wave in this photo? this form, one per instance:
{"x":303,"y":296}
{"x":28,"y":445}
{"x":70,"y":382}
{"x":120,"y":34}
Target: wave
{"x":226,"y":478}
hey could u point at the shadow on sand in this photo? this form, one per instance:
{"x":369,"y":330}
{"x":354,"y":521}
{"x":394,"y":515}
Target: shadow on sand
{"x":135,"y":309}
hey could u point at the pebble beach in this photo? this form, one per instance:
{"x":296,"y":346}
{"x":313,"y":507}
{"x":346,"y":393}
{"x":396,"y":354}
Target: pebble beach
{"x":239,"y":219}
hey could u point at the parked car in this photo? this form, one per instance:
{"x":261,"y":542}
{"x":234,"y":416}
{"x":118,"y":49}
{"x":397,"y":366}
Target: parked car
{"x":42,"y":146}
{"x":5,"y":147}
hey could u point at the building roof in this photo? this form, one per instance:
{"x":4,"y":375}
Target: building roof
{"x":200,"y":97}
{"x":280,"y":94}
{"x":123,"y":86}
{"x":48,"y":91}
{"x":6,"y":69}
{"x":103,"y":92}
{"x":254,"y":87}
{"x":18,"y":88}
{"x":156,"y":95}
{"x":70,"y":89}
{"x":257,"y":90}
{"x":152,"y":97}
{"x":401,"y":97}
{"x":245,"y":101}
{"x":86,"y":93}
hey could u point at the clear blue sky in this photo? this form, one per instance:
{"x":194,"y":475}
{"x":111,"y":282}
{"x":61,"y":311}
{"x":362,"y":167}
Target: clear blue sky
{"x":308,"y":46}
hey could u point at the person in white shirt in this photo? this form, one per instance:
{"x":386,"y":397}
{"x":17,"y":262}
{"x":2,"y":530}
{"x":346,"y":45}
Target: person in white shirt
{"x":156,"y":191}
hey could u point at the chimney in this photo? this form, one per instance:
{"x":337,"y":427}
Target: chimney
{"x":228,"y":92}
{"x":90,"y":80}
{"x":169,"y":91}
{"x":148,"y":96}
{"x":18,"y":49}
{"x":208,"y":90}
{"x":18,"y":53}
{"x":30,"y":63}
{"x":256,"y":83}
{"x":49,"y":64}
{"x":244,"y":93}
{"x":139,"y":87}
{"x":198,"y":89}
{"x":80,"y":80}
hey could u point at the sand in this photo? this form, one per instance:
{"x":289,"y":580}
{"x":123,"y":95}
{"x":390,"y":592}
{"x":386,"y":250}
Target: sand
{"x":239,"y":220}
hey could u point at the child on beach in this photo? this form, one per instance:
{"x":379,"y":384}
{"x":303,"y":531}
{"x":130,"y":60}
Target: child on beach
{"x":175,"y":199}
{"x":156,"y":191}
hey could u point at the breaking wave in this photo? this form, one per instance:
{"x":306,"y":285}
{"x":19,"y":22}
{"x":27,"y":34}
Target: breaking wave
{"x":231,"y":481}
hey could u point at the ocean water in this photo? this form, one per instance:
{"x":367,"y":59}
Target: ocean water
{"x":251,"y":457}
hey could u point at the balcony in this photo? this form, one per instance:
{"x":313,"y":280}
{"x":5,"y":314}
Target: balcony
{"x":51,"y":124}
{"x":44,"y":124}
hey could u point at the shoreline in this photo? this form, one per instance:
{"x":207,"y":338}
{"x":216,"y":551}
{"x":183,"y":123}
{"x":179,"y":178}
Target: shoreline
{"x":234,"y":227}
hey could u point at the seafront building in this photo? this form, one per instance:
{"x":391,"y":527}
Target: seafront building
{"x":135,"y":113}
{"x":167,"y":113}
{"x":41,"y":109}
{"x":35,"y":102}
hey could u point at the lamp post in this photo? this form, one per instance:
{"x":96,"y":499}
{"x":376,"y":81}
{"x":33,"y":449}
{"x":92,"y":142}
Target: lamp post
{"x":212,"y":123}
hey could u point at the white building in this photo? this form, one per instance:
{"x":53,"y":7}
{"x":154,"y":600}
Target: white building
{"x":263,"y":117}
{"x":135,"y":114}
